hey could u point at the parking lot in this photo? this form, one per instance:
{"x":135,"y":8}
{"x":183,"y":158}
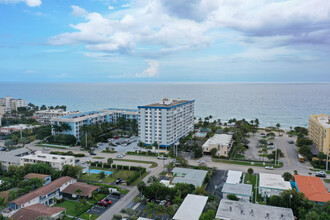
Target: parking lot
{"x":253,"y":152}
{"x":122,"y":145}
{"x":99,"y":210}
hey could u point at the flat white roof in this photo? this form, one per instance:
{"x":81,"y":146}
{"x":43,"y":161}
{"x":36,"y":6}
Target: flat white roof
{"x":47,"y":157}
{"x":191,"y":208}
{"x":189,"y":176}
{"x":234,"y":177}
{"x":229,"y":209}
{"x":323,"y":120}
{"x":218,"y":139}
{"x":273,"y":181}
{"x":237,"y":189}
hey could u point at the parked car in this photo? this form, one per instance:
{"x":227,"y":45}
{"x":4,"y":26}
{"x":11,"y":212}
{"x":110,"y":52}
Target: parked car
{"x":163,"y":202}
{"x":116,"y":194}
{"x":107,"y":200}
{"x":76,"y":160}
{"x":102,"y":203}
{"x":291,"y":142}
{"x":119,"y":180}
{"x":46,"y":148}
{"x":320,"y":174}
{"x":120,"y":156}
{"x":262,"y":134}
{"x":168,"y":204}
{"x":2,"y":149}
{"x":201,"y":161}
{"x":270,"y":143}
{"x":92,"y":153}
{"x":269,"y":167}
{"x":161,"y":157}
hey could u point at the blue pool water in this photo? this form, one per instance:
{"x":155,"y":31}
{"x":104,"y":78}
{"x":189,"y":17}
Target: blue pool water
{"x":200,"y":134}
{"x":99,"y":171}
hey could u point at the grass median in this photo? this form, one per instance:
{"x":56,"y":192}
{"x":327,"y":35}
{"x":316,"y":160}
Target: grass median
{"x":153,"y":164}
{"x":246,"y":163}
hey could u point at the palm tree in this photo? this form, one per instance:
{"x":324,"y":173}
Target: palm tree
{"x":57,"y":128}
{"x":85,"y":128}
{"x":65,"y":127}
{"x":78,"y":192}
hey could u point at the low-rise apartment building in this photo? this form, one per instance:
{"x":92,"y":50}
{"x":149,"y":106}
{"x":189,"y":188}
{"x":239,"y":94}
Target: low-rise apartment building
{"x":12,"y":157}
{"x":191,"y":207}
{"x":272,"y":184}
{"x":77,"y":121}
{"x":235,"y":210}
{"x":43,"y":195}
{"x":221,"y":142}
{"x":319,"y":132}
{"x":242,"y":191}
{"x":166,"y":122}
{"x":189,"y":176}
{"x":55,"y":161}
{"x":45,"y":116}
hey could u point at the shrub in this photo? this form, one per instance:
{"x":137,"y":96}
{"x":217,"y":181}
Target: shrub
{"x":119,"y":167}
{"x":114,"y":166}
{"x":232,"y":197}
{"x":136,"y":176}
{"x":125,"y":167}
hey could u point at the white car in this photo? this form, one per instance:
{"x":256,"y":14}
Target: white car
{"x":162,"y":158}
{"x":201,"y":161}
{"x":320,"y":174}
{"x":269,"y":168}
{"x":120,"y":156}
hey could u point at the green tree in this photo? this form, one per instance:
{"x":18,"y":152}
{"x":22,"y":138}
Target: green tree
{"x":304,"y":150}
{"x":287,"y":176}
{"x":250,"y":172}
{"x":232,"y":197}
{"x":101,"y":175}
{"x":321,"y":156}
{"x":109,"y":160}
{"x":312,"y":216}
{"x":78,"y":192}
{"x":209,"y":215}
{"x":213,"y":151}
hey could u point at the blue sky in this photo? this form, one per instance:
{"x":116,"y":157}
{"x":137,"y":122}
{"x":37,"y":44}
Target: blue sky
{"x":165,"y":40}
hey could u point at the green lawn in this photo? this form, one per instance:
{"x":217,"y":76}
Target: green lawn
{"x":153,"y":164}
{"x":98,"y":157}
{"x":73,"y":208}
{"x":123,"y":174}
{"x":139,"y":179}
{"x":327,"y":180}
{"x":246,"y":163}
{"x":41,"y":145}
{"x":88,"y":216}
{"x":251,"y":179}
{"x":91,"y":177}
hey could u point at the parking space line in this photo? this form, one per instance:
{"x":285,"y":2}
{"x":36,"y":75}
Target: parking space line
{"x":285,"y":152}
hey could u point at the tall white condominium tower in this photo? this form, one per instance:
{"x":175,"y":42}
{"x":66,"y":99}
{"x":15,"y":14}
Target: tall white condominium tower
{"x":166,"y":122}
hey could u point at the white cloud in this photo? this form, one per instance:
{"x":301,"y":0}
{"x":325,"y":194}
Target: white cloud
{"x":30,"y":71}
{"x":111,"y":7}
{"x":126,"y":6}
{"x":30,"y":3}
{"x":151,"y":71}
{"x":78,"y":11}
{"x":163,"y":28}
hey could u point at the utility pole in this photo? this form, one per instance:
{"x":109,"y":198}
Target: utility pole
{"x":326,"y":165}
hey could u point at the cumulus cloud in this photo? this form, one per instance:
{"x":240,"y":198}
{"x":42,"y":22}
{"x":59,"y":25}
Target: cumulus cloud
{"x":151,"y":71}
{"x":126,"y":5}
{"x":30,"y":3}
{"x":168,"y":27}
{"x":111,"y":7}
{"x":78,"y":11}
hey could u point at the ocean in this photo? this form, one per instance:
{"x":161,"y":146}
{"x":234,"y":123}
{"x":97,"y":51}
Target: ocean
{"x":289,"y":104}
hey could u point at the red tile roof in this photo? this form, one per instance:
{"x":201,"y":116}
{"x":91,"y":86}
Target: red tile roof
{"x":42,"y":191}
{"x":85,"y":188}
{"x":35,"y":175}
{"x":34,"y":211}
{"x":313,"y":188}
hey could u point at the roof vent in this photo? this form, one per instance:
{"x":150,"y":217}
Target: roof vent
{"x":242,"y":212}
{"x":251,"y":212}
{"x":267,"y":215}
{"x":230,"y":209}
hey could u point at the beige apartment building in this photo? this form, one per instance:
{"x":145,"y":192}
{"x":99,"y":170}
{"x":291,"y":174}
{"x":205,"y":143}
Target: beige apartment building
{"x":319,"y":131}
{"x":221,"y":142}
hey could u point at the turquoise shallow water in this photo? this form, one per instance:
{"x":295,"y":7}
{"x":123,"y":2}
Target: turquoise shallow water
{"x":289,"y":104}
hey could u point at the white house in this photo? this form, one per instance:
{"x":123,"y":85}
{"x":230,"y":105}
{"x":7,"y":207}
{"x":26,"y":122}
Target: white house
{"x":221,"y":142}
{"x":272,"y":184}
{"x":191,"y":208}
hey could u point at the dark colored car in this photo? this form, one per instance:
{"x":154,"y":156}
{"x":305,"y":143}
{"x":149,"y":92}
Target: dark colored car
{"x":291,"y":142}
{"x":116,"y":194}
{"x":102,"y":203}
{"x":168,"y":204}
{"x":119,"y":180}
{"x":92,"y":153}
{"x":77,"y":161}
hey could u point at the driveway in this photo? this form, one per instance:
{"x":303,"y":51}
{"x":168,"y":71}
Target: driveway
{"x":216,"y":183}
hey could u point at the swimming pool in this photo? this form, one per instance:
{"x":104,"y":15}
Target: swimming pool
{"x":200,"y":134}
{"x":98,"y":171}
